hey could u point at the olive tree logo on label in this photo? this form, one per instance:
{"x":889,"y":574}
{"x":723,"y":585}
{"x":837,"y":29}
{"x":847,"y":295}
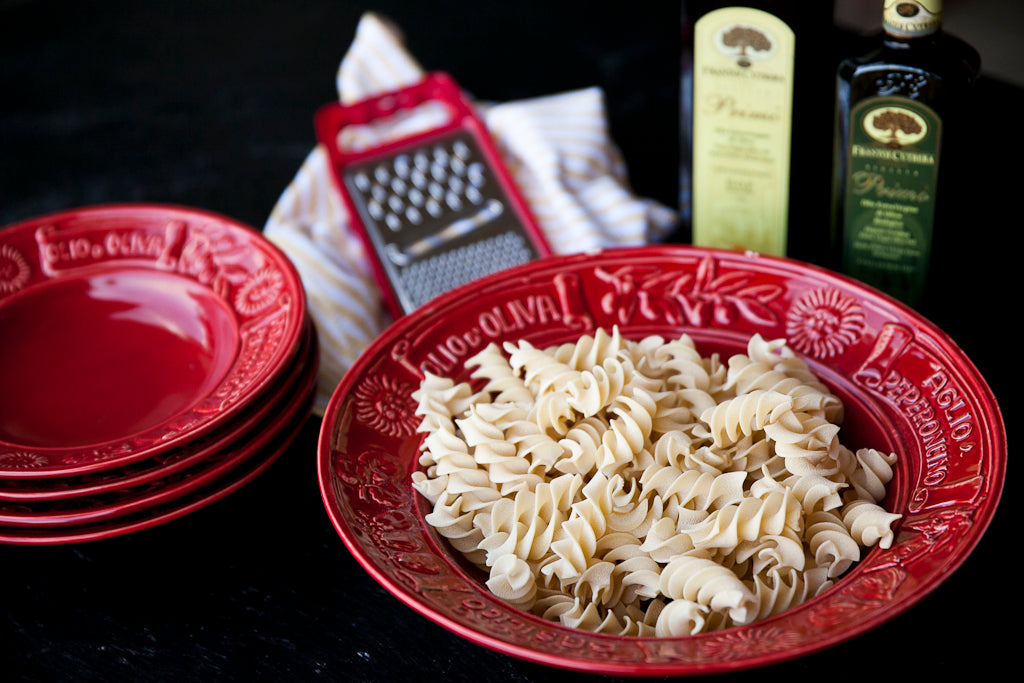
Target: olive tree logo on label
{"x":895,"y":127}
{"x":745,"y":43}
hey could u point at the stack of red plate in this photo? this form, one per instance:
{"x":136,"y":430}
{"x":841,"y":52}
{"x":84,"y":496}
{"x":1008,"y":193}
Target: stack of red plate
{"x":153,"y":359}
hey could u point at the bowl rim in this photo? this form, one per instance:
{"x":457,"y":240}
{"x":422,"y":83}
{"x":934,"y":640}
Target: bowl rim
{"x":877,"y":301}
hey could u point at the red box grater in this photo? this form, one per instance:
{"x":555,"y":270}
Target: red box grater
{"x":434,"y":204}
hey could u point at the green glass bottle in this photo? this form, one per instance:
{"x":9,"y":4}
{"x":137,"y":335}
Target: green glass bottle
{"x":901,"y":118}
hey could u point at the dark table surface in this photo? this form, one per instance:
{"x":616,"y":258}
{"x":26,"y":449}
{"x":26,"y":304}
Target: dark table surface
{"x":209,"y":104}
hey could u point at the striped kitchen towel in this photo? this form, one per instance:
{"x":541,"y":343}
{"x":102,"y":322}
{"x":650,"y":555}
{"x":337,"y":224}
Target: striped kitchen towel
{"x":557,"y":148}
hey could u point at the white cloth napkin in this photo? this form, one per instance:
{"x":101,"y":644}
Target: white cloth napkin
{"x":556,"y":147}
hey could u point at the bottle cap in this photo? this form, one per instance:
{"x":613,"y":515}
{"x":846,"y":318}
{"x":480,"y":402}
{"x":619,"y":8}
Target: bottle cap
{"x":911,"y":18}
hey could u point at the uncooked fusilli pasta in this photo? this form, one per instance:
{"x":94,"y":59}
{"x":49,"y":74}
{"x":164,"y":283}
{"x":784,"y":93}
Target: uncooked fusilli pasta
{"x":639,"y":488}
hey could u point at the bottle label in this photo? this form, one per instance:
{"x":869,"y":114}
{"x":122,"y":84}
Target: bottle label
{"x":893,"y":163}
{"x":911,"y":18}
{"x":742,"y":115}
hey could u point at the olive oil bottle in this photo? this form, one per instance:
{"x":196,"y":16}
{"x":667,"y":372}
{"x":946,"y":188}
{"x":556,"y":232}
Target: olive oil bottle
{"x":901,"y":120}
{"x":757,"y":123}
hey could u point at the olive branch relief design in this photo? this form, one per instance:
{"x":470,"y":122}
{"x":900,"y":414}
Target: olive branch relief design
{"x":696,"y":299}
{"x":823,"y":322}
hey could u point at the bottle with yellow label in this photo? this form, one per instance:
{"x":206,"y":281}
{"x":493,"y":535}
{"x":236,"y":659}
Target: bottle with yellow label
{"x":757,"y":120}
{"x":900,"y":121}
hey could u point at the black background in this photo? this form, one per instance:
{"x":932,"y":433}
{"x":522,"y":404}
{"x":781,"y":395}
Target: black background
{"x":210,"y":104}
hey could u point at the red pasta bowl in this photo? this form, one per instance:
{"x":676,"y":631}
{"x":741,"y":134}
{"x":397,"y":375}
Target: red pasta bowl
{"x":906,"y":386}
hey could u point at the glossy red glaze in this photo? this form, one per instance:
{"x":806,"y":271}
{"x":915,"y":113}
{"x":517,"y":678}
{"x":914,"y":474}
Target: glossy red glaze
{"x":906,"y":385}
{"x":129,"y":330}
{"x":169,"y":510}
{"x":95,"y":358}
{"x":289,"y":405}
{"x":28,"y":497}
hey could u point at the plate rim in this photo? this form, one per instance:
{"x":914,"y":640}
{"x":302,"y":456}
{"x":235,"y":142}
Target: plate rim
{"x":193,"y":454}
{"x":239,"y":467}
{"x":160,"y":437}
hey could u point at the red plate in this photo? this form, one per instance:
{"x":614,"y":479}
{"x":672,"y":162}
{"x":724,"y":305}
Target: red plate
{"x":292,"y":402}
{"x":131,"y":509}
{"x":31,"y":491}
{"x":907,"y":388}
{"x":134,"y":329}
{"x":167,"y":511}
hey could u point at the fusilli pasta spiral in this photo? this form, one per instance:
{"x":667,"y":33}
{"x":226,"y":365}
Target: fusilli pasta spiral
{"x":639,"y":488}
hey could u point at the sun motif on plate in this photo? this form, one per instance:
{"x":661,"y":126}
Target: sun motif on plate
{"x":261,"y":290}
{"x":14,"y":270}
{"x":824,"y":323}
{"x":25,"y":460}
{"x":382,"y":403}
